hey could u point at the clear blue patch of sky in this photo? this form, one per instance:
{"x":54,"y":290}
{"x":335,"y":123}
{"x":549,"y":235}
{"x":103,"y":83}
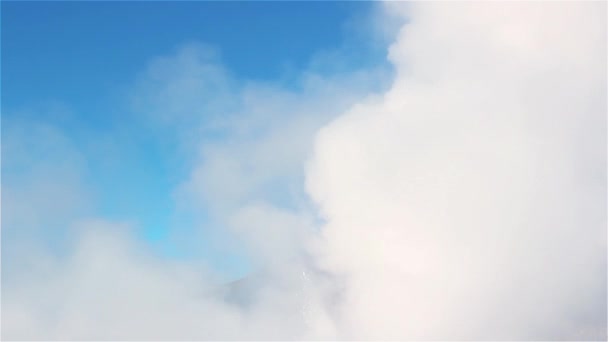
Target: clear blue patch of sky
{"x":78,"y":51}
{"x":86,"y":55}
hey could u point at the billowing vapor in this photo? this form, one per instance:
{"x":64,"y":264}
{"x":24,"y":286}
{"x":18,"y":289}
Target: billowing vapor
{"x":465,"y":202}
{"x":468,"y":202}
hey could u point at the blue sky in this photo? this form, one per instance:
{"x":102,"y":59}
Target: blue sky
{"x":75,"y":65}
{"x":370,"y":171}
{"x":103,"y":45}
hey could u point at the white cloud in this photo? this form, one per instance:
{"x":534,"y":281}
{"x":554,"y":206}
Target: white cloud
{"x":469,"y":201}
{"x":43,"y":188}
{"x":465,"y":202}
{"x":247,"y":142}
